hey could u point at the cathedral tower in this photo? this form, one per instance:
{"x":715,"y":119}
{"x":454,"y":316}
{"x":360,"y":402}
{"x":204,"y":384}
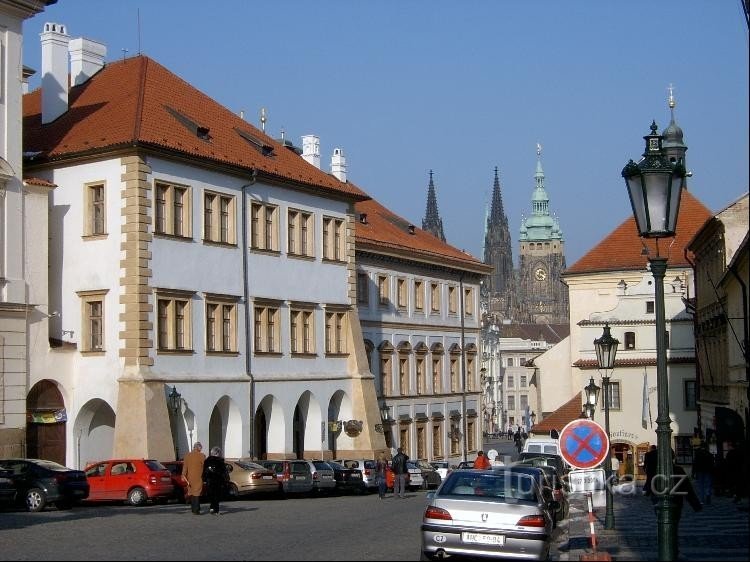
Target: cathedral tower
{"x":499,"y":286}
{"x":543,"y":298}
{"x":432,"y":222}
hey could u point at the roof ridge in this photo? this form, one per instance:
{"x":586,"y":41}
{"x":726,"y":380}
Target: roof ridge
{"x":141,"y":95}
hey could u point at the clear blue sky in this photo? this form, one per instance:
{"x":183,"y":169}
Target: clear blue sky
{"x":461,"y":87}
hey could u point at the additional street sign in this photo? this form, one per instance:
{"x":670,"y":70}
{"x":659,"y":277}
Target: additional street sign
{"x":583,"y":444}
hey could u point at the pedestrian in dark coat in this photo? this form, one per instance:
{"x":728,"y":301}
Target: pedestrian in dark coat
{"x":650,"y":462}
{"x":400,"y":470}
{"x":216,"y":477}
{"x":703,"y":469}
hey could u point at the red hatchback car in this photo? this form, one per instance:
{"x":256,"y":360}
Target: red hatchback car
{"x":132,"y":480}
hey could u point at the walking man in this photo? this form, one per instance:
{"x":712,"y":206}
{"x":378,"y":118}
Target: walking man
{"x":192,"y":471}
{"x":399,"y":472}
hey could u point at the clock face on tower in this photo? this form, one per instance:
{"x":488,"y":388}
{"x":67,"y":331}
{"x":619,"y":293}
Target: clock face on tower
{"x":540,"y":274}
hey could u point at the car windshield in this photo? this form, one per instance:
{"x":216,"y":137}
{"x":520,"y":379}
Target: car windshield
{"x":50,"y":465}
{"x":490,"y":485}
{"x":249,"y":465}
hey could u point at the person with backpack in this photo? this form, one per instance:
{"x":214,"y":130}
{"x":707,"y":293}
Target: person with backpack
{"x":400,"y":470}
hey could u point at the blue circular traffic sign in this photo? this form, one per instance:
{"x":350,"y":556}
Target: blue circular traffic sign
{"x":583,"y":444}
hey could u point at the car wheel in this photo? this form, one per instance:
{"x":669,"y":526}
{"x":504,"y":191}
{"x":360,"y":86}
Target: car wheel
{"x":137,"y":496}
{"x":234,"y":492}
{"x":36,"y":500}
{"x":424,"y":556}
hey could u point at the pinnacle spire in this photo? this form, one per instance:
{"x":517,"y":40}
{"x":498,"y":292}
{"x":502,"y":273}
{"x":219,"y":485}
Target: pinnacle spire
{"x":432,"y":222}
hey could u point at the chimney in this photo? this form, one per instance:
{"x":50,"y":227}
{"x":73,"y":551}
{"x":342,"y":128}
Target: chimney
{"x":54,"y":71}
{"x":26,"y":74}
{"x":311,"y":149}
{"x":411,"y":229}
{"x":86,"y":59}
{"x":338,"y":164}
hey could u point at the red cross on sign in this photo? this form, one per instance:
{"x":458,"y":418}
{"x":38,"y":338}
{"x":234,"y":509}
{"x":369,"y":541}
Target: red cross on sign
{"x":583,"y":444}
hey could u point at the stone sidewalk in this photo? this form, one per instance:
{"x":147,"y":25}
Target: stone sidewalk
{"x":718,"y":532}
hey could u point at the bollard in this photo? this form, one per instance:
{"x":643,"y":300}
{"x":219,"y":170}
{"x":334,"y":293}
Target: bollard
{"x":594,"y":555}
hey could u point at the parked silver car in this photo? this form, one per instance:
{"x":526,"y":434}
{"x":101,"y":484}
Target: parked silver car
{"x":366,"y":467}
{"x":322,"y":476}
{"x":294,"y":475}
{"x":490,"y":513}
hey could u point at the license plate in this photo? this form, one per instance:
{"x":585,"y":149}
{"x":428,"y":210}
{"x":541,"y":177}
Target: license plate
{"x":480,"y":538}
{"x":299,"y":477}
{"x":166,"y":479}
{"x":356,"y":476}
{"x":268,"y":478}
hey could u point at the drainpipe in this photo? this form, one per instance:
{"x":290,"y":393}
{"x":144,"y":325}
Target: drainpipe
{"x":246,"y":295}
{"x":463,"y":368}
{"x":698,"y":371}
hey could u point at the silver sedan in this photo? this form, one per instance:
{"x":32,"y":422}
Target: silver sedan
{"x":490,"y":513}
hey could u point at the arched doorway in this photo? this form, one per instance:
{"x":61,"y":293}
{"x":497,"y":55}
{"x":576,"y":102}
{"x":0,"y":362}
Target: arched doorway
{"x":298,"y":433}
{"x":261,"y":434}
{"x":94,"y":432}
{"x":46,"y":423}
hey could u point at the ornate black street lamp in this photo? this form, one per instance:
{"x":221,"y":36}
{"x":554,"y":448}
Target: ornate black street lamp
{"x":175,"y":401}
{"x":655,"y":185}
{"x":592,"y":395}
{"x":606,"y":350}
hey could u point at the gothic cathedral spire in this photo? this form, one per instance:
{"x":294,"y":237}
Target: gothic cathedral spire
{"x":432,"y":222}
{"x":498,"y":252}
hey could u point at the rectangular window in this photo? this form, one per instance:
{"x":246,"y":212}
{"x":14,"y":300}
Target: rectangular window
{"x":683,"y":449}
{"x":455,"y":436}
{"x":264,"y":226}
{"x":510,"y":381}
{"x":267,"y":330}
{"x":218,"y":218}
{"x":418,"y":295}
{"x":221,"y":324}
{"x":471,"y":441}
{"x":511,"y":402}
{"x":437,"y":370}
{"x":469,"y":302}
{"x":523,"y":381}
{"x":510,"y":362}
{"x":452,"y":300}
{"x":523,"y":401}
{"x":363,"y":286}
{"x":173,"y":215}
{"x":334,"y":236}
{"x":334,"y":333}
{"x":690,"y":395}
{"x":299,"y":233}
{"x":92,"y":325}
{"x":421,"y":443}
{"x":401,"y":292}
{"x":649,"y":307}
{"x":404,"y":437}
{"x":420,"y":375}
{"x":454,"y":374}
{"x":435,"y":297}
{"x":174,"y":321}
{"x":614,"y":396}
{"x":301,"y":330}
{"x":437,"y":440}
{"x":383,"y":290}
{"x":96,"y":210}
{"x":629,"y":340}
{"x":403,"y":375}
{"x":386,"y":375}
{"x":470,"y":373}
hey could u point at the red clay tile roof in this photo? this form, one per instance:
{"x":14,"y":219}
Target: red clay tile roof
{"x":138,"y":102}
{"x":550,"y":333}
{"x":621,"y":250}
{"x":386,"y":232}
{"x":632,"y":362}
{"x":39,"y":182}
{"x":558,"y":419}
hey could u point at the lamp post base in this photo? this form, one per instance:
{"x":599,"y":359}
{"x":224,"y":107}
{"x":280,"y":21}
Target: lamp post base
{"x":666,"y":523}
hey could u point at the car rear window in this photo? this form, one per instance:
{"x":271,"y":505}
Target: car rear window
{"x":322,"y":465}
{"x":275,"y":466}
{"x":300,"y":467}
{"x":504,"y":486}
{"x":154,"y":465}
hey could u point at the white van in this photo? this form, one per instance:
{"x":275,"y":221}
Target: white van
{"x":542,"y":445}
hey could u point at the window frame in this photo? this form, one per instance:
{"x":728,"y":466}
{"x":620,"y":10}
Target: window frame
{"x":225,"y":324}
{"x":334,"y":239}
{"x":336,"y":328}
{"x":266,"y":327}
{"x":171,"y":211}
{"x":264,"y":227}
{"x":214,"y":233}
{"x":90,"y":228}
{"x":173,"y":326}
{"x":88,"y":328}
{"x":302,"y":330}
{"x":418,"y":295}
{"x":300,"y":242}
{"x":363,"y":288}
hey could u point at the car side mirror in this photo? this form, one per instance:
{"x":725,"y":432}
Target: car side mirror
{"x":430,"y":496}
